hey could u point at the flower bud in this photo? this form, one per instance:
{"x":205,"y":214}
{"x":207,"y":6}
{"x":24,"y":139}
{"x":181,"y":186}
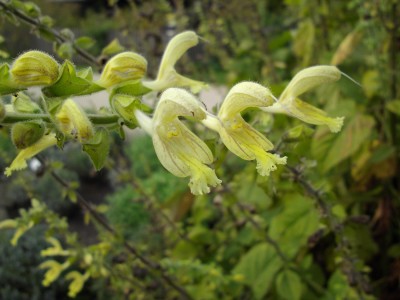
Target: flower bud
{"x":25,"y":134}
{"x":34,"y":68}
{"x":74,"y":122}
{"x":123,"y":67}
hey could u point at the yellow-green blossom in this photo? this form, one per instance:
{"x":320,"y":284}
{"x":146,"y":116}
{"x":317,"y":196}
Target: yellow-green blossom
{"x":303,"y":81}
{"x":34,"y":68}
{"x":19,"y":162}
{"x":73,"y":121}
{"x":180,"y":151}
{"x":54,"y":270}
{"x":77,"y":282}
{"x":167,"y":76}
{"x":123,"y":67}
{"x":237,"y":135}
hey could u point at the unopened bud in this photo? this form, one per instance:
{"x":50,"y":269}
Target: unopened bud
{"x":25,"y":134}
{"x":74,"y":122}
{"x":35,"y":68}
{"x":23,"y":104}
{"x":123,"y":67}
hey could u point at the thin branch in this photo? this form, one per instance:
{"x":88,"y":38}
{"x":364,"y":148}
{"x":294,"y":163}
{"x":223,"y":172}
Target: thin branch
{"x":96,"y":119}
{"x":342,"y":244}
{"x":59,"y":37}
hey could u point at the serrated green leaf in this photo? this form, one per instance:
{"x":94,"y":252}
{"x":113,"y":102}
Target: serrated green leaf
{"x":69,"y":83}
{"x":288,"y":285}
{"x":98,"y":148}
{"x":85,"y":42}
{"x":349,"y":140}
{"x":258,"y":267}
{"x":292,"y":227}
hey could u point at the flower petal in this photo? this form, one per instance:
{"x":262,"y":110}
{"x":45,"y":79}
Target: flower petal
{"x":19,"y":162}
{"x":176,"y":47}
{"x":201,"y":178}
{"x":307,"y":113}
{"x":167,"y":75}
{"x":241,"y":138}
{"x":175,"y":102}
{"x":73,"y":121}
{"x":308,"y":79}
{"x":244,"y":95}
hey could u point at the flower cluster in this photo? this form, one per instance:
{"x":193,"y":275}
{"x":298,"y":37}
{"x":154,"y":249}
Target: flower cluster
{"x":179,"y":150}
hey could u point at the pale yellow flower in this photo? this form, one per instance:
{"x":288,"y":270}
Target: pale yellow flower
{"x":180,"y":151}
{"x":73,"y":121}
{"x":237,"y":135}
{"x":19,"y":162}
{"x":167,"y":76}
{"x":123,"y":67}
{"x":303,"y":81}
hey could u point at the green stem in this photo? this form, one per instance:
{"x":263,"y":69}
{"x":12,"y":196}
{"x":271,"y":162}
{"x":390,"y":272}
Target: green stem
{"x":11,"y":118}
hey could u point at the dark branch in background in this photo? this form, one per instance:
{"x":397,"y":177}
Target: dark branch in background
{"x":319,"y":290}
{"x":151,"y":265}
{"x":355,"y":277}
{"x":57,"y":36}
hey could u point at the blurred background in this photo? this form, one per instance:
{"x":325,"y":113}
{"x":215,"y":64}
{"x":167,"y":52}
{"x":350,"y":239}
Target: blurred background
{"x":210,"y":243}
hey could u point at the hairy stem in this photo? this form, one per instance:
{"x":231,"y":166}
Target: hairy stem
{"x":96,"y":119}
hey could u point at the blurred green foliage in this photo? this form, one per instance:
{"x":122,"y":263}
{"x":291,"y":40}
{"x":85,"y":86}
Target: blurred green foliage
{"x":19,"y":279}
